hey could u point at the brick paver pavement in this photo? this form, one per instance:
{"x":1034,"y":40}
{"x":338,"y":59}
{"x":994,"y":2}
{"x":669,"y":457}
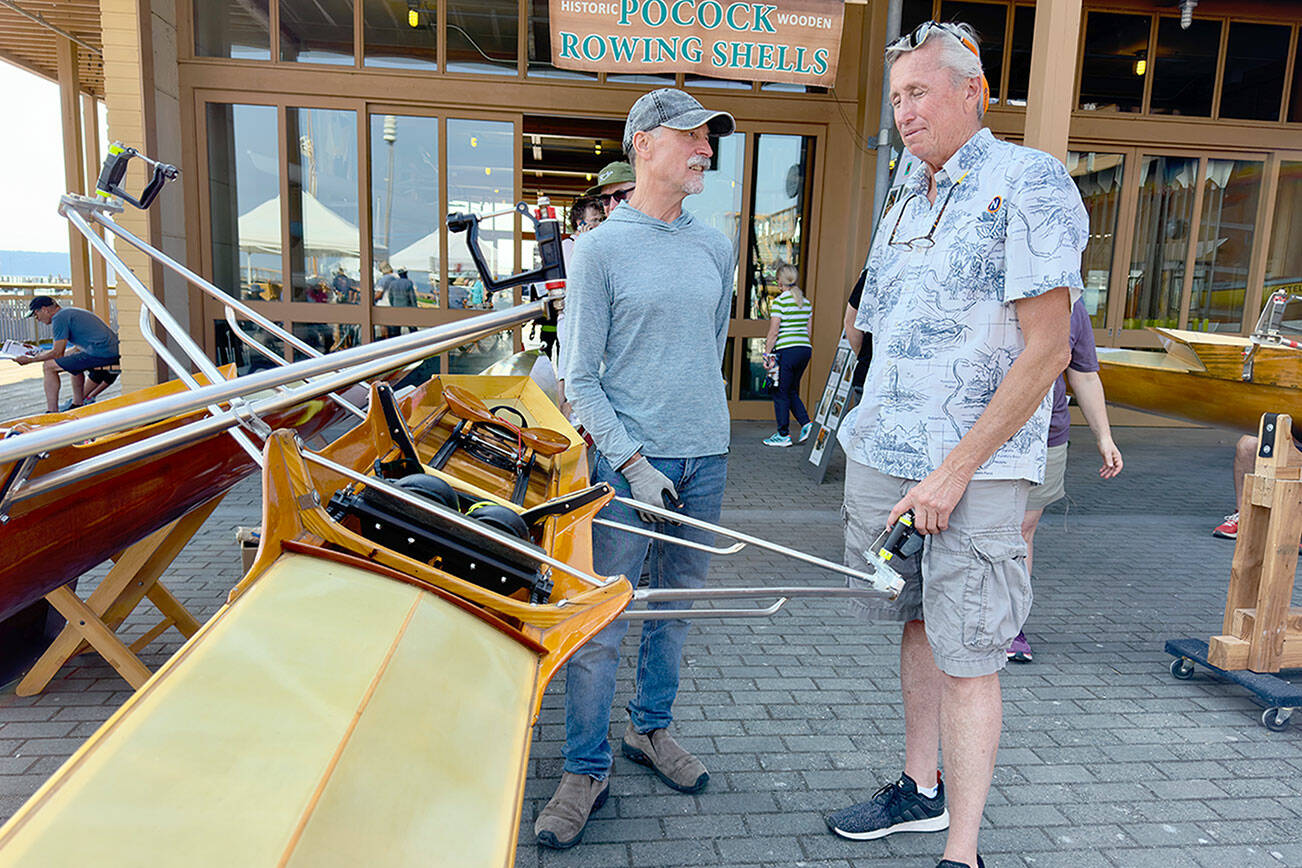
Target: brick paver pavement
{"x":1105,"y":761}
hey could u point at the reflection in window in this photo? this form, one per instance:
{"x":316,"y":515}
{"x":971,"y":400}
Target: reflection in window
{"x":400,"y":33}
{"x":754,"y":379}
{"x":244,"y":200}
{"x":1019,"y":63}
{"x":240,"y":31}
{"x":482,"y":36}
{"x":1284,"y":254}
{"x":709,"y":81}
{"x":988,"y":20}
{"x":404,"y":211}
{"x":324,"y":242}
{"x":1255,"y":58}
{"x":1115,"y":62}
{"x":1162,"y":222}
{"x":538,"y":41}
{"x":1184,"y":75}
{"x":316,"y":31}
{"x":481,"y":179}
{"x":719,"y":205}
{"x":1225,"y":230}
{"x":326,"y":337}
{"x":778,"y":202}
{"x":1098,"y":177}
{"x":233,"y":350}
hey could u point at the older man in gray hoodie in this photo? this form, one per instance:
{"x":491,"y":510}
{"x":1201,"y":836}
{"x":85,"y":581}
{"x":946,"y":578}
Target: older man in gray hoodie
{"x":650,"y":295}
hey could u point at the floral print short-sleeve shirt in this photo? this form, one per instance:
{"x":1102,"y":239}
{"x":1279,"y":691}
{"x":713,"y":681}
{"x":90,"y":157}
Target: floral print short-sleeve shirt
{"x":943,"y":322}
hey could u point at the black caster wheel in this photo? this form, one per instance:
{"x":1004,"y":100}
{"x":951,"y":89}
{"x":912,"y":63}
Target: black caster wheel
{"x":1182,"y":668}
{"x":1277,"y":719}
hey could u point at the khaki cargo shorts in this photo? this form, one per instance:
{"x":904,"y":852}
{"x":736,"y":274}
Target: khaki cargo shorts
{"x":1054,"y":487}
{"x":970,"y":585}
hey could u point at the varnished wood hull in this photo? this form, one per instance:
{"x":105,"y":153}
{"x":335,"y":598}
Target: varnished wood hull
{"x":1156,"y":382}
{"x":54,"y":537}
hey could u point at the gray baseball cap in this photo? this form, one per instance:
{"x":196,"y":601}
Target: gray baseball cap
{"x":669,"y":107}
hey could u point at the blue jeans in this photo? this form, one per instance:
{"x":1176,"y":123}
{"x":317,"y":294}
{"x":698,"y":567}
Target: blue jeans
{"x":590,"y":674}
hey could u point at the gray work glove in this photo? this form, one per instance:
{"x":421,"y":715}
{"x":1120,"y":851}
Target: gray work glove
{"x":649,"y":486}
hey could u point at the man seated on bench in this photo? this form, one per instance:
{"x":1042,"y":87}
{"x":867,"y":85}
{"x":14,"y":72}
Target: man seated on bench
{"x":97,"y":344}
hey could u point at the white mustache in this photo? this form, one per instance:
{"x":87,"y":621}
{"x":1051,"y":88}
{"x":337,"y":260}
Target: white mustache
{"x":698,"y":162}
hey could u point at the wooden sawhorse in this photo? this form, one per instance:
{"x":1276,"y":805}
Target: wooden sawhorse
{"x":92,"y":623}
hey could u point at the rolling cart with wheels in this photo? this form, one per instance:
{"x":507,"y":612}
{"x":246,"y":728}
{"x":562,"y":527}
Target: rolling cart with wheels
{"x":1279,"y":697}
{"x":1261,"y":633}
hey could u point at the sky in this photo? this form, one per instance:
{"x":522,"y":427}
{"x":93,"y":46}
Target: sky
{"x":31,"y":164}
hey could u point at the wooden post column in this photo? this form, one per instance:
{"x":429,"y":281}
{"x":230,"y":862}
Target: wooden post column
{"x":70,"y":111}
{"x":1053,"y":74}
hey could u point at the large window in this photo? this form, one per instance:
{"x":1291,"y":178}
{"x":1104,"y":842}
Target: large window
{"x":1255,"y":59}
{"x":240,"y":31}
{"x":244,"y":200}
{"x":481,"y":180}
{"x":778,"y":205}
{"x":324,"y":241}
{"x":316,"y":31}
{"x":1231,"y":189}
{"x":482,"y":36}
{"x":1184,"y":72}
{"x":1098,"y":176}
{"x":405,"y":221}
{"x":1284,"y":254}
{"x":1019,"y":60}
{"x":1115,"y":62}
{"x":400,"y":33}
{"x":1163,"y":221}
{"x":538,"y":41}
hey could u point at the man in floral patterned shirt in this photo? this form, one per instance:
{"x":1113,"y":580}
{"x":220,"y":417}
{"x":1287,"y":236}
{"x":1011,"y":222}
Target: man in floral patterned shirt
{"x":967,"y":295}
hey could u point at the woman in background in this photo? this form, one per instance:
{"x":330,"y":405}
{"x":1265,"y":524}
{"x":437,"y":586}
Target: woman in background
{"x":788,"y":348}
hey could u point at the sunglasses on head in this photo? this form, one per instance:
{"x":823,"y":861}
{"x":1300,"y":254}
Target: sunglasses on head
{"x":618,"y":195}
{"x":914,"y":40}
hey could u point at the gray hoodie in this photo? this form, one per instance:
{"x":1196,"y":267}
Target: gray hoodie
{"x":647,"y":309}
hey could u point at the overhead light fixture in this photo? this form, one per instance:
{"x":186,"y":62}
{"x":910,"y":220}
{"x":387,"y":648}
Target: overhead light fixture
{"x":596,"y":148}
{"x":1141,"y":62}
{"x":1186,"y":13}
{"x":418,"y":14}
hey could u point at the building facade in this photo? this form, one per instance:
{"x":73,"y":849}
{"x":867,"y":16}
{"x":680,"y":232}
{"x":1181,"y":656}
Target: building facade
{"x":323,"y":140}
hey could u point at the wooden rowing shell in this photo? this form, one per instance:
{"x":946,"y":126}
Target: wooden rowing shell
{"x":54,"y":537}
{"x":1198,"y":377}
{"x":348,"y":706}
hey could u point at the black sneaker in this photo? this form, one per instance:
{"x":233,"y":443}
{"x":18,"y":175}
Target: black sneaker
{"x":896,"y":807}
{"x":950,"y":863}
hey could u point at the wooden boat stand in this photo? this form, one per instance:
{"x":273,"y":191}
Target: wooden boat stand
{"x":92,"y":623}
{"x":1260,"y":631}
{"x":1262,"y":634}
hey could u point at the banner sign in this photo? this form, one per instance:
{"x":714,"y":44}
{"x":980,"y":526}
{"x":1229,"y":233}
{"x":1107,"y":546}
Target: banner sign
{"x":792,"y":41}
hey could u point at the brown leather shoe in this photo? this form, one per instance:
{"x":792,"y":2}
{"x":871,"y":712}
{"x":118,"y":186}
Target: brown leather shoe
{"x":560,"y":824}
{"x":666,"y":757}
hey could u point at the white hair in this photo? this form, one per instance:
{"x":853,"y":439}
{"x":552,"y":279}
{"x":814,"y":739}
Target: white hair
{"x":631,"y":153}
{"x":950,"y":52}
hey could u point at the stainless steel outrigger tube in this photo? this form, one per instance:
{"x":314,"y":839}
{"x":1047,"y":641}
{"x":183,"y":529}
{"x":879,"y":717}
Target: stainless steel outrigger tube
{"x":77,"y":208}
{"x":783,"y":594}
{"x":201,"y":428}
